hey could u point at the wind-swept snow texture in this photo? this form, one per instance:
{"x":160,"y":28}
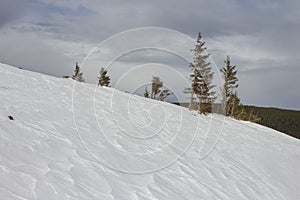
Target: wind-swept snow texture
{"x":71,"y":140}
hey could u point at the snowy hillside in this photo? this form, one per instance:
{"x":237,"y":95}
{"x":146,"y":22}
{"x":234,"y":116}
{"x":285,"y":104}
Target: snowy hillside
{"x":76,"y":141}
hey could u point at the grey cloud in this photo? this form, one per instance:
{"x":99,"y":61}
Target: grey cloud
{"x":33,"y":52}
{"x":10,"y":10}
{"x":261,"y":36}
{"x":272,"y":87}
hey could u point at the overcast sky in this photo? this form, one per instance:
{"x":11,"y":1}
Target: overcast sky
{"x":261,"y":37}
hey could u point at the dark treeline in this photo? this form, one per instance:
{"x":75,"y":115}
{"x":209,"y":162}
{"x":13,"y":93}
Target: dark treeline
{"x":286,"y":121}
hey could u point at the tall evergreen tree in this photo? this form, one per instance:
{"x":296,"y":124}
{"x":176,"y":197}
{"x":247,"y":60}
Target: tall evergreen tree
{"x":78,"y":76}
{"x":229,"y":73}
{"x":202,"y":77}
{"x":104,"y":79}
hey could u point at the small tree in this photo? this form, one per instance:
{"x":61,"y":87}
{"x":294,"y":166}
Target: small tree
{"x":156,"y":91}
{"x":157,"y":84}
{"x":164,"y":94}
{"x":78,"y":76}
{"x":234,"y":107}
{"x":146,"y":93}
{"x":253,"y":117}
{"x":104,"y":79}
{"x":237,"y":110}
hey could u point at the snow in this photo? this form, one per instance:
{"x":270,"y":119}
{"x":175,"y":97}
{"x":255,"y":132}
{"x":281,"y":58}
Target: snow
{"x":71,"y":140}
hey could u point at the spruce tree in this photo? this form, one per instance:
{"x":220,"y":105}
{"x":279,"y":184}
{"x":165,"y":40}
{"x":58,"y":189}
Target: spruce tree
{"x":202,"y":77}
{"x":78,"y":76}
{"x":104,"y":79}
{"x":230,"y":85}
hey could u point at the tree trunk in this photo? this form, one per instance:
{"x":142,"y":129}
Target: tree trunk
{"x":191,"y":101}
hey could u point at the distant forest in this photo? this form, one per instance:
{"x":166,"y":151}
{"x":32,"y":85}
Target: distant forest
{"x":286,"y":121}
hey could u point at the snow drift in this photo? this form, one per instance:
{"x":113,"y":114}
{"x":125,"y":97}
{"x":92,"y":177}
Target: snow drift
{"x":76,"y":141}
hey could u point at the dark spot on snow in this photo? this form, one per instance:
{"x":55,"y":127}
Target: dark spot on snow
{"x":10,"y":117}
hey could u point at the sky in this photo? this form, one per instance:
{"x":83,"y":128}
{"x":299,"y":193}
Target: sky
{"x":260,"y":36}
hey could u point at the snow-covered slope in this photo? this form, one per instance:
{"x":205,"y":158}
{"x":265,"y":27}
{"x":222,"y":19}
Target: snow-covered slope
{"x":75,"y":141}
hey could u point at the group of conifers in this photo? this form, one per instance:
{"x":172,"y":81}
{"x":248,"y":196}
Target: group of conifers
{"x":201,"y":88}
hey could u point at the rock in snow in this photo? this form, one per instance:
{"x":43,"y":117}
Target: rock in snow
{"x":71,"y":140}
